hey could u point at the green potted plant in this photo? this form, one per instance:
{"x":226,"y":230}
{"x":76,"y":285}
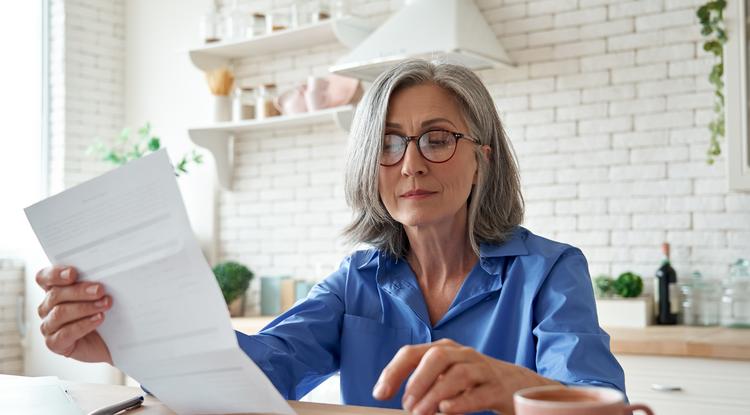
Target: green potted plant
{"x":619,"y":301}
{"x":126,"y":148}
{"x":233,"y":279}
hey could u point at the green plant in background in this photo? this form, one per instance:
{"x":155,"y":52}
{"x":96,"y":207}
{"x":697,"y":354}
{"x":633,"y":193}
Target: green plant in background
{"x":603,"y":285}
{"x":711,"y":16}
{"x":124,"y":149}
{"x":628,"y":285}
{"x":233,"y":279}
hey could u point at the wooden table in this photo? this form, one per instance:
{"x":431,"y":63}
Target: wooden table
{"x":92,"y":396}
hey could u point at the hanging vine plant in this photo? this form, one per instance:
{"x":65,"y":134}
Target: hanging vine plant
{"x":711,"y":16}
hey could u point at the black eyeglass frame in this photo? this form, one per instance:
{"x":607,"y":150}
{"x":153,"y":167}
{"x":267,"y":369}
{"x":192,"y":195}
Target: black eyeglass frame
{"x":406,"y":139}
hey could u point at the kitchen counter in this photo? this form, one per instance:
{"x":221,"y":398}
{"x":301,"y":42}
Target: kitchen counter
{"x":682,"y":341}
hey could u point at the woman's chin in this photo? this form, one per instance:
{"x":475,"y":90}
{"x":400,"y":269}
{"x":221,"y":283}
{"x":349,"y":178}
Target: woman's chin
{"x":419,"y":221}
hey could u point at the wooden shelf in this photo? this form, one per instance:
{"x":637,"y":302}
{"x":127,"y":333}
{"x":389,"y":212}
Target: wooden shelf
{"x":219,"y":138}
{"x":348,"y":31}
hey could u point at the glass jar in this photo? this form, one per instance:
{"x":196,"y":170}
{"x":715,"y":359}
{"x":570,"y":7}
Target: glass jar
{"x":311,"y":11}
{"x":280,"y":19}
{"x":244,"y":104}
{"x":256,"y":25}
{"x":701,"y":301}
{"x":264,"y":106}
{"x":735,"y":303}
{"x":236,"y":24}
{"x":211,"y":26}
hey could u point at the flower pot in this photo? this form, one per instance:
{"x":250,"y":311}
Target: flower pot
{"x":625,"y":312}
{"x":237,"y":307}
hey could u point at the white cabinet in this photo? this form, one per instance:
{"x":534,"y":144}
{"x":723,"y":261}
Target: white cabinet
{"x":706,"y":386}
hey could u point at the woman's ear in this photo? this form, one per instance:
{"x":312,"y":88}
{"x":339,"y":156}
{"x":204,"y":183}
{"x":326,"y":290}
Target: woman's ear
{"x":486,"y":153}
{"x":486,"y":150}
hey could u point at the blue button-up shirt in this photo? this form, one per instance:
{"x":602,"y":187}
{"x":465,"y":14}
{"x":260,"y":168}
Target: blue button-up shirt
{"x":528,"y":301}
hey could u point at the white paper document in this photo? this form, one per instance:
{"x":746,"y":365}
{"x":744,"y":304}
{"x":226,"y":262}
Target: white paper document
{"x":168,"y":327}
{"x":20,"y":395}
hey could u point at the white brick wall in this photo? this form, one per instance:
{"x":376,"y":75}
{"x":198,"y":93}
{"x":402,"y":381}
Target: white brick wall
{"x":606,"y":109}
{"x":87,"y":44}
{"x":11,"y":291}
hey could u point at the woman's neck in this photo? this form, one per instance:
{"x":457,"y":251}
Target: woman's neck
{"x":440,"y":254}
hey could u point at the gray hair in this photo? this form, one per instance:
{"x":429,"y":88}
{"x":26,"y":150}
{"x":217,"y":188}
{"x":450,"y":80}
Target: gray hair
{"x":495,"y":204}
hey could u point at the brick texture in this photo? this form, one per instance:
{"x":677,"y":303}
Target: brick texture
{"x":602,"y":110}
{"x":11,"y":292}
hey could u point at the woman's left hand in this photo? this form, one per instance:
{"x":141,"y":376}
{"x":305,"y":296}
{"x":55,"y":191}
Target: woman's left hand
{"x":452,"y":378}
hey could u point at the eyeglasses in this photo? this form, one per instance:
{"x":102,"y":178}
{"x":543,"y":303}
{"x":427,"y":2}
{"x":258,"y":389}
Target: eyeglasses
{"x":436,"y":146}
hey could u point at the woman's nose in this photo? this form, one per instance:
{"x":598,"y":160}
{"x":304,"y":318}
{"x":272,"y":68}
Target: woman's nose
{"x":414,"y":164}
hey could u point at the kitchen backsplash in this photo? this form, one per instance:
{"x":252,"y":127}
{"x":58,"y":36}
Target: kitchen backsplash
{"x":11,"y":297}
{"x":606,"y":107}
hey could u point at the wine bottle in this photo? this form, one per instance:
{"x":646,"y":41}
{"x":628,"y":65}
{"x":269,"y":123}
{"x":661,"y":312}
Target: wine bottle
{"x":666,"y":278}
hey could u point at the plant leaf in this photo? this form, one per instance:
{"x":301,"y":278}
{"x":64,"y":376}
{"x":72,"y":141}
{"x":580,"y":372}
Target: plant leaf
{"x":154,"y":144}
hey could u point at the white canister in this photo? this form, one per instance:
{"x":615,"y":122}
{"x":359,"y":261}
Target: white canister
{"x":222,"y":108}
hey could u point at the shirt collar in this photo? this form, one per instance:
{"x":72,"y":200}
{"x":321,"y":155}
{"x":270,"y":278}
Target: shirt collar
{"x":514,"y":246}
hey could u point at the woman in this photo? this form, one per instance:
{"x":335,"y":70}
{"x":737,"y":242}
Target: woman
{"x":454,"y":295}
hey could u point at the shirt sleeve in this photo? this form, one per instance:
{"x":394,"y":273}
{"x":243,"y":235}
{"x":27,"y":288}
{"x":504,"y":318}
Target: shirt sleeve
{"x":301,"y":347}
{"x":571,"y":347}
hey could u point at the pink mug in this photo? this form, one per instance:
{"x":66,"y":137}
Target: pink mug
{"x":578,"y":400}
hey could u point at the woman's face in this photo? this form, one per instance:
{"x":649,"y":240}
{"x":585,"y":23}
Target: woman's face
{"x":417,"y":192}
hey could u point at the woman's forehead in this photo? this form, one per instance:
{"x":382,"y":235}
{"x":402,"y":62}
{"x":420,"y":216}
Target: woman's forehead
{"x":422,"y":104}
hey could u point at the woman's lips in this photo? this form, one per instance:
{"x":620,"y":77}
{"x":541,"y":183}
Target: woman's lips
{"x":417,"y":194}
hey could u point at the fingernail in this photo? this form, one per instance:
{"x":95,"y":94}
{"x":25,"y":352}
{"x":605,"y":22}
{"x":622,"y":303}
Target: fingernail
{"x":92,"y":289}
{"x":380,"y":391}
{"x":96,"y":317}
{"x":101,"y":303}
{"x":408,"y":402}
{"x":65,"y":274}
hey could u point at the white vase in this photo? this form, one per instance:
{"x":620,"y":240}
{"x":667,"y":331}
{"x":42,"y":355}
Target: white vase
{"x":222,"y":108}
{"x":316,"y":94}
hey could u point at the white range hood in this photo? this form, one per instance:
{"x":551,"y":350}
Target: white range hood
{"x":448,"y":30}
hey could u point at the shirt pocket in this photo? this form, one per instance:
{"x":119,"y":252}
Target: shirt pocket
{"x":367,"y":346}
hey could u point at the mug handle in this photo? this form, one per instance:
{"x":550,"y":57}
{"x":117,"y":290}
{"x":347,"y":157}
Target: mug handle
{"x":636,"y":407}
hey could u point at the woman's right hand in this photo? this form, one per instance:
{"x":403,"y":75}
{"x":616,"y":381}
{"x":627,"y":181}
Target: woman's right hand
{"x":71,"y":312}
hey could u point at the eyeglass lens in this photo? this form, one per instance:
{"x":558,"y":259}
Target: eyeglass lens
{"x":436,"y":146}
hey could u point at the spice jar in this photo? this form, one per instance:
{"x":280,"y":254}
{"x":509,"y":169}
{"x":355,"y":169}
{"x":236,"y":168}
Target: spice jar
{"x":256,"y":25}
{"x":280,"y":19}
{"x":264,"y":107}
{"x":211,"y":26}
{"x":236,"y":24}
{"x":244,"y":104}
{"x":311,"y":12}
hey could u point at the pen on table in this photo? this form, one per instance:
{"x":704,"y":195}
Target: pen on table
{"x":119,"y":407}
